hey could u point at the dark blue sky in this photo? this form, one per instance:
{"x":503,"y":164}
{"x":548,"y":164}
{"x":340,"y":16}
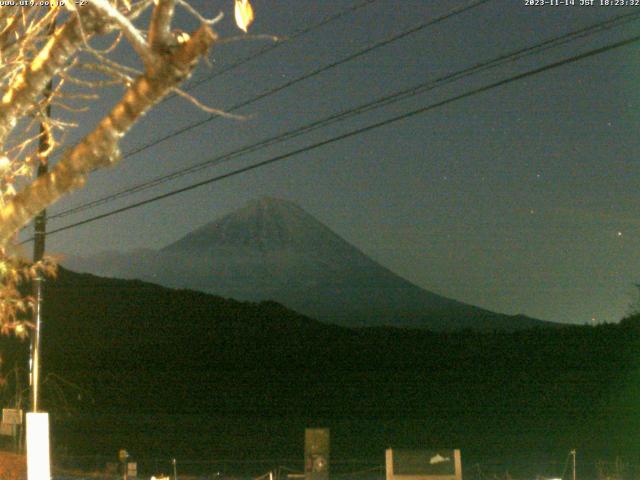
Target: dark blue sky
{"x":522,"y":199}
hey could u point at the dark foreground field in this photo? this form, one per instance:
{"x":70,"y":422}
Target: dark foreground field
{"x":168,"y":373}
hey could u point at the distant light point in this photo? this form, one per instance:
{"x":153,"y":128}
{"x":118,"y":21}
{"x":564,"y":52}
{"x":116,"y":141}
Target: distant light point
{"x":619,"y":234}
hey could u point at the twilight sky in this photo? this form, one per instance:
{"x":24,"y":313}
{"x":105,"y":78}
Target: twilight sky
{"x":521,"y":199}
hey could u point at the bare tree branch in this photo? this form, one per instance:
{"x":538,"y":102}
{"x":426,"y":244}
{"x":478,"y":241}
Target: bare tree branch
{"x":137,"y":41}
{"x":100,"y":148}
{"x":25,"y":89}
{"x":139,"y":8}
{"x":205,"y":108}
{"x":160,"y":36}
{"x":195,"y":13}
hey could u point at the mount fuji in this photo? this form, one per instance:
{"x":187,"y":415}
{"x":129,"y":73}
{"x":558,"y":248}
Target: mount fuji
{"x":272,"y":249}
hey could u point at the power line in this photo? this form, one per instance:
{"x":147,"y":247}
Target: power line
{"x":451,"y":13}
{"x":386,"y":100}
{"x":284,"y":41}
{"x":355,"y":132}
{"x":233,"y":66}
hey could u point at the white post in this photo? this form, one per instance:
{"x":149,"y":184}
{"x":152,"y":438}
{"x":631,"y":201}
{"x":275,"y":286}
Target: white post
{"x":38,"y":461}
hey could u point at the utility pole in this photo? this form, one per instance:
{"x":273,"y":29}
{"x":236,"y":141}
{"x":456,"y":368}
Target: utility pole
{"x":40,"y":230}
{"x":37,"y":431}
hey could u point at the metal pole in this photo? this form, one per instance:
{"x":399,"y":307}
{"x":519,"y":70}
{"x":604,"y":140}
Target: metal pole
{"x":40,"y":230}
{"x":35,"y":347}
{"x":38,"y":252}
{"x":17,"y":432}
{"x":573,"y":452}
{"x":175,"y":469}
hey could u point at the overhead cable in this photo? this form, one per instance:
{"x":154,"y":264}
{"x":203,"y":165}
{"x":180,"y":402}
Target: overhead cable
{"x":358,"y":131}
{"x":351,"y":112}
